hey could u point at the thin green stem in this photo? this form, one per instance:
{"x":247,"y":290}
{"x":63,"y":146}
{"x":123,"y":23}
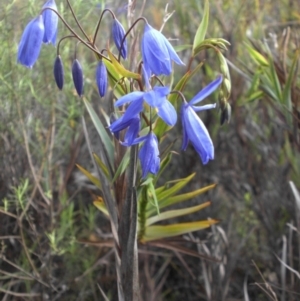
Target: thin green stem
{"x":99,"y":22}
{"x":87,"y":44}
{"x":77,"y":22}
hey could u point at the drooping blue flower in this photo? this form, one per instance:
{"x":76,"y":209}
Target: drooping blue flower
{"x":193,"y":127}
{"x":101,"y":78}
{"x":31,"y":42}
{"x":118,"y":33}
{"x":58,"y":71}
{"x":148,"y":154}
{"x":155,"y":98}
{"x":50,"y":22}
{"x":157,"y":52}
{"x":77,"y":75}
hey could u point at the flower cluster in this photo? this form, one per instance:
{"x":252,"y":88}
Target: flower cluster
{"x":157,"y":55}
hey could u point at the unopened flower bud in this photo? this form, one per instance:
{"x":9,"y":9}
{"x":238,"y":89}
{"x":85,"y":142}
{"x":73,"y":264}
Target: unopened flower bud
{"x":101,"y":78}
{"x":118,"y":33}
{"x":77,"y":75}
{"x":58,"y":71}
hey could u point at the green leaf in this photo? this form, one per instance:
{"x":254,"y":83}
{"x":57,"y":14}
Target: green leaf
{"x":255,"y":95}
{"x":175,"y":213}
{"x":122,"y":166}
{"x":158,"y":232}
{"x":171,"y":191}
{"x":286,"y":94}
{"x":275,"y":83}
{"x":115,"y":80}
{"x":202,"y":29}
{"x":101,"y":166}
{"x":102,"y":132}
{"x":92,"y":178}
{"x":257,"y":57}
{"x":99,"y":203}
{"x":163,"y":165}
{"x":180,"y":198}
{"x":120,"y":68}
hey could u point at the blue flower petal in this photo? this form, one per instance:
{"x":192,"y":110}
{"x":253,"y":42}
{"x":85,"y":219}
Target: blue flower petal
{"x":31,"y":42}
{"x":131,"y":97}
{"x":157,"y":52}
{"x":205,"y":107}
{"x":210,"y":88}
{"x":149,"y":155}
{"x":167,"y":113}
{"x":50,"y":22}
{"x":173,"y":55}
{"x":132,"y":131}
{"x":185,"y":139}
{"x":197,"y":134}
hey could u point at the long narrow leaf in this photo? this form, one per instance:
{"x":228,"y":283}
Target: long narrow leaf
{"x":158,"y":232}
{"x":102,"y":132}
{"x":202,"y":29}
{"x":122,"y":166}
{"x":101,"y":166}
{"x":180,"y":198}
{"x":175,"y":213}
{"x":92,"y":178}
{"x":171,"y":191}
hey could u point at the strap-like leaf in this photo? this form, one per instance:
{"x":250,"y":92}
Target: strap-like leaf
{"x":158,"y":232}
{"x":102,"y":133}
{"x":92,"y":178}
{"x":175,"y":213}
{"x":202,"y":29}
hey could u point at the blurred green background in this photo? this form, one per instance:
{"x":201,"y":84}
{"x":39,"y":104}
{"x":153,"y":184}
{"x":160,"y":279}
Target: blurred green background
{"x":49,"y":228}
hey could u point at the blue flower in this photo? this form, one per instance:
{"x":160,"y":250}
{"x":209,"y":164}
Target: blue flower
{"x":155,"y":98}
{"x":31,"y":42}
{"x":101,"y":78}
{"x":157,"y":52}
{"x":149,"y":154}
{"x":77,"y":75}
{"x":193,"y":127}
{"x":50,"y":22}
{"x":118,"y":34}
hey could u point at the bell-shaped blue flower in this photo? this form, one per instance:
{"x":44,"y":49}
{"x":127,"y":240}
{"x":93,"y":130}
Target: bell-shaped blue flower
{"x":118,"y":33}
{"x":50,"y":22}
{"x":149,"y":154}
{"x":58,"y":72}
{"x":193,"y":128}
{"x":157,"y":52}
{"x":101,"y":78}
{"x":77,"y":75}
{"x":31,"y":42}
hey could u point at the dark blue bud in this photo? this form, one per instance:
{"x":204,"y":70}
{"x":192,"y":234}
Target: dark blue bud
{"x":77,"y":75}
{"x":118,"y":33}
{"x":101,"y":78}
{"x":58,"y":71}
{"x":31,"y":42}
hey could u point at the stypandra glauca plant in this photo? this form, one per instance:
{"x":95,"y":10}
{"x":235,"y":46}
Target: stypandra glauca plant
{"x":144,"y":108}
